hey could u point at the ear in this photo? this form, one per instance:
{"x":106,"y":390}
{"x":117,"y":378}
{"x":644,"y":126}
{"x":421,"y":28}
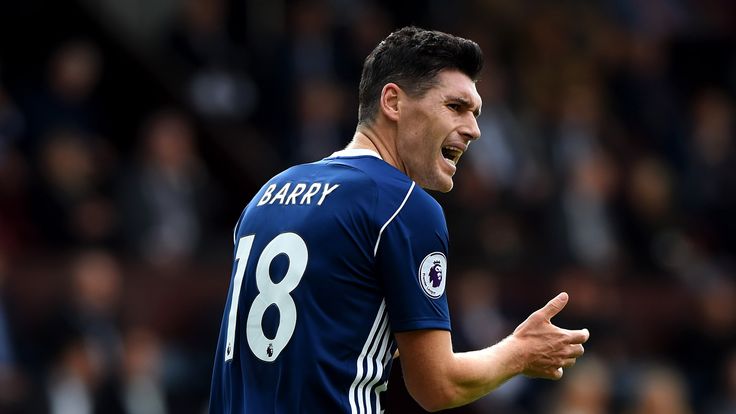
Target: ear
{"x":389,"y":101}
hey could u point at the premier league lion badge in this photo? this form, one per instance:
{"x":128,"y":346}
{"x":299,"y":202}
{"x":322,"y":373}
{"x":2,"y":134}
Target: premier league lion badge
{"x":432,"y":274}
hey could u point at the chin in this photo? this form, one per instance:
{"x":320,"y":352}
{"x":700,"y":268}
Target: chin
{"x":442,"y":187}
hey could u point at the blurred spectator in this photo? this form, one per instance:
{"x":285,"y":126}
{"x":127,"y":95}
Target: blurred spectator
{"x":500,"y":157}
{"x":587,"y":389}
{"x":648,"y":211}
{"x":710,"y":184}
{"x":167,"y":196}
{"x":13,"y":386}
{"x":712,"y":335}
{"x":83,"y":375}
{"x":724,"y":401}
{"x":586,"y":212}
{"x":73,"y":382}
{"x":142,"y":390}
{"x":311,"y":51}
{"x":12,"y":123}
{"x":660,"y":389}
{"x":643,"y":97}
{"x":71,"y":204}
{"x":217,"y":84}
{"x":16,"y":227}
{"x":477,"y":315}
{"x":67,"y":100}
{"x":321,"y":105}
{"x":94,"y":308}
{"x":366,"y":24}
{"x":478,"y":323}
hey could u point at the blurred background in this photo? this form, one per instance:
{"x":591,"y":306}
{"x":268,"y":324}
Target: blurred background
{"x":132,"y":133}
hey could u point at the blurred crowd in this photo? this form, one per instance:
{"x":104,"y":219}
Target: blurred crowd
{"x":133,"y":133}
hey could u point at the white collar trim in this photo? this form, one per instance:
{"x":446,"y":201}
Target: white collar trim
{"x":355,"y":152}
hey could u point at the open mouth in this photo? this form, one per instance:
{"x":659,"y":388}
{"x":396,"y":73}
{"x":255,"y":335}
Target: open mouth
{"x":452,"y":154}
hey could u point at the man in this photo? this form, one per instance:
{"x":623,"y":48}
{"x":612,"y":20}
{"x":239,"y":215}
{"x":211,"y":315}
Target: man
{"x":340,"y":262}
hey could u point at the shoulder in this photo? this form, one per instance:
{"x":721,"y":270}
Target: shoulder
{"x":373,"y":174}
{"x":424,"y":200}
{"x":421,"y":210}
{"x":394,"y":191}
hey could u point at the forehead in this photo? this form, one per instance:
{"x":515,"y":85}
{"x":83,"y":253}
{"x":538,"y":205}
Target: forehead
{"x":455,"y":84}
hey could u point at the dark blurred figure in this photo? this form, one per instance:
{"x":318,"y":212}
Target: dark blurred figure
{"x":648,"y":213}
{"x":711,"y":335}
{"x":308,"y":68}
{"x":68,"y":99}
{"x":659,"y":389}
{"x":75,"y":376}
{"x":16,"y":225}
{"x":14,"y":389}
{"x":72,"y":203}
{"x":213,"y":67}
{"x":587,"y":389}
{"x":589,"y":226}
{"x":12,"y":123}
{"x":724,"y":400}
{"x":167,"y":197}
{"x":479,"y":322}
{"x":95,"y":300}
{"x":501,"y":158}
{"x":642,"y":94}
{"x":320,"y":113}
{"x":15,"y":222}
{"x":710,"y":180}
{"x":142,"y":390}
{"x":86,"y":334}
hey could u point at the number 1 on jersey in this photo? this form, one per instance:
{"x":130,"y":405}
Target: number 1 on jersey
{"x":244,"y":246}
{"x":270,"y":293}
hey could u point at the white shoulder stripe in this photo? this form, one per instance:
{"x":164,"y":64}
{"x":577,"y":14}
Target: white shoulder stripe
{"x":396,"y":213}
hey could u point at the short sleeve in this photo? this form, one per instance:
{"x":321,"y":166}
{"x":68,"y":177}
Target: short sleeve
{"x":411,"y":262}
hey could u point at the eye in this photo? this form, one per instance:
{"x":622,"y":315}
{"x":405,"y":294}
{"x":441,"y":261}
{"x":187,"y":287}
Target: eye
{"x":454,"y":106}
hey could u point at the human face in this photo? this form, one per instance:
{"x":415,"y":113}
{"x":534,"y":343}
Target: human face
{"x":434,"y":131}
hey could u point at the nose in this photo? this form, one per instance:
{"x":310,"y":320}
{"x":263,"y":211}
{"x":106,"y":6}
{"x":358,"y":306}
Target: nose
{"x":470,"y":130}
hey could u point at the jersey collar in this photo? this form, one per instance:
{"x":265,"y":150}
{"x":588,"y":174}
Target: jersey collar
{"x":355,"y":152}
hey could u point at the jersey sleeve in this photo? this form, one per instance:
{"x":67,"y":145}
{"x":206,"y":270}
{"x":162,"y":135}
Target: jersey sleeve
{"x":411,"y":260}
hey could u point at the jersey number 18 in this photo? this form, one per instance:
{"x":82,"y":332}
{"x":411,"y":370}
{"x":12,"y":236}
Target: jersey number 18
{"x":269,"y":293}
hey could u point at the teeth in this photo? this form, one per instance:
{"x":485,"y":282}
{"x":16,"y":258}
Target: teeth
{"x":452,"y":154}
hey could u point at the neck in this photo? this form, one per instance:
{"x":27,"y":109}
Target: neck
{"x":366,"y":137}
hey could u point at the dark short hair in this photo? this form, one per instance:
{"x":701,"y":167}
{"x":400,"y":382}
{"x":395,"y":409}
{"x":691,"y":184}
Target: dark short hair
{"x":412,"y":57}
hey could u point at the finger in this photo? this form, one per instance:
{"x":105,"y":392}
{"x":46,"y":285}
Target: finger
{"x":554,"y":306}
{"x":558,"y":373}
{"x":578,"y":336}
{"x":567,"y":363}
{"x":575,"y":351}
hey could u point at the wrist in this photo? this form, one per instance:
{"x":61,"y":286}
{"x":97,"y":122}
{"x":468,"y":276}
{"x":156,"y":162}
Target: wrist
{"x":512,"y":355}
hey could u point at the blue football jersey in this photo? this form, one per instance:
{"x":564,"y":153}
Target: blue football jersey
{"x":331,"y":259}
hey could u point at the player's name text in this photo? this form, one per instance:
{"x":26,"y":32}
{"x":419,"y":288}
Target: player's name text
{"x":301,"y":193}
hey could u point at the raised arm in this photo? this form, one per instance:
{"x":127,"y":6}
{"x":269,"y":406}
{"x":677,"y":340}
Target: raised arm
{"x":438,"y":378}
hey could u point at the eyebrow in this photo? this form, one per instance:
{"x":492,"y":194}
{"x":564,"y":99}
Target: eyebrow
{"x":465,"y":103}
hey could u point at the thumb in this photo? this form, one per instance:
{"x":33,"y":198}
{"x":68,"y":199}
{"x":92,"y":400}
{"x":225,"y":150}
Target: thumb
{"x":554,"y":306}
